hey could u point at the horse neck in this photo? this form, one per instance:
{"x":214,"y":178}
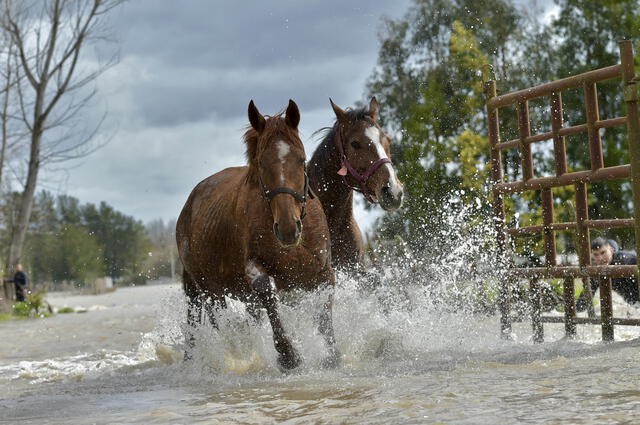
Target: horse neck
{"x":335,"y":196}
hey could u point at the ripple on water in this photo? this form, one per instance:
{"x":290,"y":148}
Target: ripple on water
{"x":408,"y":362}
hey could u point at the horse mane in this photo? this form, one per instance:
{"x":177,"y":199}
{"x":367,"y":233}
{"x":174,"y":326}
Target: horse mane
{"x":275,"y":125}
{"x":352,"y":115}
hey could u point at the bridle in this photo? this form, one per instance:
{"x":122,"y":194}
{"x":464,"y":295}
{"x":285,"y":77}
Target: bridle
{"x":270,"y":194}
{"x":360,"y":178}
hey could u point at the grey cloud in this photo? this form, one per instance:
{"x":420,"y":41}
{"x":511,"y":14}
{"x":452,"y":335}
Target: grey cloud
{"x":204,"y":33}
{"x":177,"y":100}
{"x":177,"y":95}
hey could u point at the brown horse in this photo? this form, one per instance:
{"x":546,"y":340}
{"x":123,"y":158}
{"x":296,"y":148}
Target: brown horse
{"x":249,"y":232}
{"x":354,"y":155}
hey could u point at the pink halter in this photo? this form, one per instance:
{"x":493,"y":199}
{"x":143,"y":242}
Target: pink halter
{"x":361,"y":178}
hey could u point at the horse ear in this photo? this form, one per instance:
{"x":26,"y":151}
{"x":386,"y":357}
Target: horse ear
{"x":374,"y":108}
{"x":340,"y":113}
{"x":292,"y":116}
{"x":255,"y":118}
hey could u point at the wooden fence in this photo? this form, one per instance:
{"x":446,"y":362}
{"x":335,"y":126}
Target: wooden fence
{"x":579,"y":179}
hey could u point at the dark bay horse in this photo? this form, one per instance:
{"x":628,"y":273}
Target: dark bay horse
{"x":354,"y":155}
{"x":249,"y":232}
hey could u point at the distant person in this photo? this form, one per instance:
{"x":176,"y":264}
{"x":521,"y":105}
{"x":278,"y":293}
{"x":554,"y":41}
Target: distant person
{"x":20,"y":281}
{"x":605,"y":252}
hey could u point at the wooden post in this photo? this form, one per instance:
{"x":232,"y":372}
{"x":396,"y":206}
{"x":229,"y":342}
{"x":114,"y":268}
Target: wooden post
{"x":606,"y":309}
{"x":504,"y":301}
{"x":584,"y":245}
{"x":557,"y":121}
{"x":536,"y":311}
{"x":593,"y":115}
{"x":524,"y":127}
{"x":633,"y":129}
{"x":569,"y":308}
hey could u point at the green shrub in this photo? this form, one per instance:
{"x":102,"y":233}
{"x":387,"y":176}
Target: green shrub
{"x":22,"y":308}
{"x":33,"y":306}
{"x":64,"y":310}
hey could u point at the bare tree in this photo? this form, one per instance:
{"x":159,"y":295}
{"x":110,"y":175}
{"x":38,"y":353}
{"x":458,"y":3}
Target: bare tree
{"x":48,"y":37}
{"x":8,"y":82}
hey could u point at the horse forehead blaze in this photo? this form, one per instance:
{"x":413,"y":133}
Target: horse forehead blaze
{"x":283,"y":149}
{"x":373,"y":133}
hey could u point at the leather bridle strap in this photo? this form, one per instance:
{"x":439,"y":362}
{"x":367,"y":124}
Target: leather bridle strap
{"x":270,"y":194}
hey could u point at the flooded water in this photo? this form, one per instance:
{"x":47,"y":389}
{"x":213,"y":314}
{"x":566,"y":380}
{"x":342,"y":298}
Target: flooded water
{"x":121,"y":362}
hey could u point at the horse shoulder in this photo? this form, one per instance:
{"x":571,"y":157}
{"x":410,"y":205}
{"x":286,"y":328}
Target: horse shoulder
{"x":208,"y":224}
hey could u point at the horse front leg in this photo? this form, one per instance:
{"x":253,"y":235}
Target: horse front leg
{"x":325,"y":327}
{"x":214,"y":304}
{"x":194,"y":312}
{"x":265,"y":290}
{"x":194,"y":319}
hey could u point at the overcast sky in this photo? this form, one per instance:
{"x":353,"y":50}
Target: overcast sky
{"x":178,"y":98}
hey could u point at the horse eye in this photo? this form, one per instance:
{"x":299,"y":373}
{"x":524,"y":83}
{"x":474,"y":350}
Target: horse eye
{"x":355,"y":144}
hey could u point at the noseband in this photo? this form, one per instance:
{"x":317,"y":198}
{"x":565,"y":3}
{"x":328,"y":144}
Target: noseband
{"x":360,"y":178}
{"x":270,"y":194}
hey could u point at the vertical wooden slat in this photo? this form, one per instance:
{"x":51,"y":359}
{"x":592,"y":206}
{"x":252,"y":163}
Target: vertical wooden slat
{"x":504,"y":301}
{"x":633,"y":132}
{"x":606,"y":308}
{"x":536,"y":310}
{"x":582,"y":233}
{"x":557,"y":121}
{"x":550,"y":257}
{"x":593,"y":115}
{"x":547,"y":219}
{"x":569,"y":307}
{"x":524,"y":128}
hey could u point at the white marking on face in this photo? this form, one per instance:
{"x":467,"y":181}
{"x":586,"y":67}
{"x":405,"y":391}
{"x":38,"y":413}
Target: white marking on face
{"x":283,"y":151}
{"x":374,"y":134}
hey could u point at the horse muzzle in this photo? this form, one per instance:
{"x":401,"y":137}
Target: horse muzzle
{"x":288,"y":235}
{"x":390,"y":197}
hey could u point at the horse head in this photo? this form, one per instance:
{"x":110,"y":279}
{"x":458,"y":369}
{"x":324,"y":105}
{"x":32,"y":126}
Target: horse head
{"x":364,"y":150}
{"x":277,"y":164}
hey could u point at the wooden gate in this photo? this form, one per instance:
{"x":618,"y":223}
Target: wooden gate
{"x":500,"y":188}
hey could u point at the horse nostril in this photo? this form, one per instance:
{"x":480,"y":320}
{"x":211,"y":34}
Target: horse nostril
{"x":298,"y":227}
{"x":275,"y":230}
{"x":386,"y":193}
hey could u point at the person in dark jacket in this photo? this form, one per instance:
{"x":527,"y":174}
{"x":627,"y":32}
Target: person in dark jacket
{"x":605,"y":252}
{"x":20,"y":281}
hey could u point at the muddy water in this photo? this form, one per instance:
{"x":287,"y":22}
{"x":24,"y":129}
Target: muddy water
{"x":120,"y":362}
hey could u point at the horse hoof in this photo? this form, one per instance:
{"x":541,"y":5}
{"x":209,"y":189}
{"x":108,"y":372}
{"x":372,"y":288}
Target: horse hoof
{"x":289,"y":361}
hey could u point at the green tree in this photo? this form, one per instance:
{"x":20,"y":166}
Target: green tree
{"x":443,"y":144}
{"x":428,"y":82}
{"x":123,"y":239}
{"x":70,"y":254}
{"x":71,"y":241}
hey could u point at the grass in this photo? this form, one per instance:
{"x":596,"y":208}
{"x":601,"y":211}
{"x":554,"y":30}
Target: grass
{"x":6,"y":316}
{"x":65,"y":310}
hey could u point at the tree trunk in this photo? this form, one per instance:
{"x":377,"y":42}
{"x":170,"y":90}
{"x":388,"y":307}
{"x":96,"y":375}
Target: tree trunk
{"x":8,"y":295}
{"x":5,"y":117}
{"x":26,"y":203}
